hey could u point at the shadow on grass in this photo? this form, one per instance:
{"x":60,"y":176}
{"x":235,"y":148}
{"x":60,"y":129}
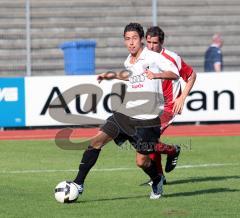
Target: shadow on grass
{"x":196,"y":179}
{"x":180,"y":194}
{"x":202,"y":179}
{"x":201,"y":192}
{"x":111,"y":199}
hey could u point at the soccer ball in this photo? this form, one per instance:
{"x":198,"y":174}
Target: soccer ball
{"x":66,"y":192}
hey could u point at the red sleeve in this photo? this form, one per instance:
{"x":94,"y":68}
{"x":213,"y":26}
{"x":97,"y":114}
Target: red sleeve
{"x":186,"y":71}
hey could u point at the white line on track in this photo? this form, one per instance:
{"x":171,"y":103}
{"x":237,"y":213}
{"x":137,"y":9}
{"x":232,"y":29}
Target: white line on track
{"x":111,"y":169}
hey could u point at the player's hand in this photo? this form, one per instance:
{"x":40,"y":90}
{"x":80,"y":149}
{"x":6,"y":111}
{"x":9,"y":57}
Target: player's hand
{"x":107,"y":76}
{"x":178,"y":105}
{"x":150,"y":75}
{"x":100,"y":77}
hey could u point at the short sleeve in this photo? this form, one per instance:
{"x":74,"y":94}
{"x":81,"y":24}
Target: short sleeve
{"x":217,"y":56}
{"x":185,"y":71}
{"x":167,"y":65}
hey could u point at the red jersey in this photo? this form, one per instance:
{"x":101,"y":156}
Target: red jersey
{"x":172,"y":88}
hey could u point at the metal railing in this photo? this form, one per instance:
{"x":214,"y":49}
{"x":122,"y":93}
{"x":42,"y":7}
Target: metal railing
{"x":28,"y":39}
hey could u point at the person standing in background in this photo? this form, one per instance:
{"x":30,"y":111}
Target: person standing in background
{"x":213,"y":59}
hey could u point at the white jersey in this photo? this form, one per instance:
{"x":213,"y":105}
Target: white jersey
{"x":144,"y":99}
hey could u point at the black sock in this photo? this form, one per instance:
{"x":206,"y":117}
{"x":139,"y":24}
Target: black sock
{"x":89,"y":158}
{"x":153,"y":172}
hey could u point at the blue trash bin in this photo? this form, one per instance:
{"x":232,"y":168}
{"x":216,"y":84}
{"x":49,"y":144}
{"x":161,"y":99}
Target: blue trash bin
{"x":79,"y":57}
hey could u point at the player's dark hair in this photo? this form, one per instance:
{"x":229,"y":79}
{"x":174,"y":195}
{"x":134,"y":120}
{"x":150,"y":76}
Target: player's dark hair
{"x":134,"y":27}
{"x":154,"y":31}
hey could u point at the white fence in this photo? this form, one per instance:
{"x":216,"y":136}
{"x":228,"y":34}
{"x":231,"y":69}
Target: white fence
{"x":28,"y":101}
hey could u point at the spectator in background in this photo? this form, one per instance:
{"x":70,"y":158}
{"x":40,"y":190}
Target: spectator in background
{"x":213,"y":60}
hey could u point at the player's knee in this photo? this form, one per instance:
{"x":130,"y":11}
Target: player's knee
{"x":96,"y":143}
{"x":99,"y":140}
{"x":139,"y":163}
{"x":142,"y":163}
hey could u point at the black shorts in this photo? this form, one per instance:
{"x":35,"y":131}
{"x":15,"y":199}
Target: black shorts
{"x":142,"y":134}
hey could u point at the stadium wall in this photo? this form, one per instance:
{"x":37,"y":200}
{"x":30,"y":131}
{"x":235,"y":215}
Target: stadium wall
{"x":32,"y":101}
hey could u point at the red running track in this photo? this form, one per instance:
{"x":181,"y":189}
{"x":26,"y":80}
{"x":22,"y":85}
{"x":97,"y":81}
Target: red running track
{"x":183,"y":130}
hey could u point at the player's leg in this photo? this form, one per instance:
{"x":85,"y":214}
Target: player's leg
{"x":144,"y":142}
{"x":90,"y":157}
{"x":172,"y":152}
{"x":165,"y":120}
{"x":158,"y":159}
{"x":149,"y":167}
{"x":108,"y":132}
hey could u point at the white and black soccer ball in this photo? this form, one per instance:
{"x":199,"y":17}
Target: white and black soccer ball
{"x":66,"y":192}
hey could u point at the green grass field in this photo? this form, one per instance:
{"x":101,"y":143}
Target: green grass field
{"x":199,"y":187}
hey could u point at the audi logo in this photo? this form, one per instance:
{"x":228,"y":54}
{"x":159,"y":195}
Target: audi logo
{"x":137,"y":79}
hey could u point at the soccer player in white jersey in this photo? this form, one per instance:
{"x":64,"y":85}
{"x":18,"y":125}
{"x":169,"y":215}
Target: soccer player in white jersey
{"x":174,"y":97}
{"x":133,"y":121}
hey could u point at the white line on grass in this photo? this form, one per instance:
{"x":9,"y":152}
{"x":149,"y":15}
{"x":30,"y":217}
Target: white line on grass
{"x":206,"y":165}
{"x":111,"y":169}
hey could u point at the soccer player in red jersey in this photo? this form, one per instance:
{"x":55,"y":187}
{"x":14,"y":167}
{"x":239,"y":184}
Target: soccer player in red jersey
{"x":174,"y":98}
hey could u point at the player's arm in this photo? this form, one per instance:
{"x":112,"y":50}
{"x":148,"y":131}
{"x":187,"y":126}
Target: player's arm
{"x":168,"y":70}
{"x":179,"y":102}
{"x":217,"y":61}
{"x":168,"y":75}
{"x":123,"y":75}
{"x":217,"y":67}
